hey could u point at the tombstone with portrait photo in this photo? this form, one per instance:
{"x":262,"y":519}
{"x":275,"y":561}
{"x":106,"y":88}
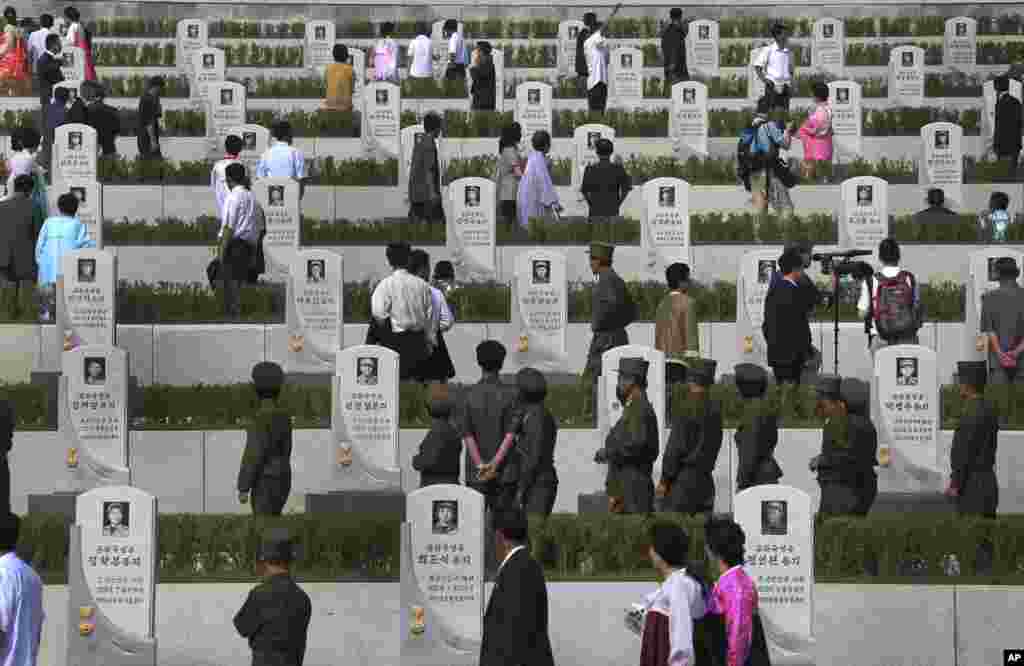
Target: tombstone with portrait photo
{"x":318,"y":51}
{"x":86,"y":312}
{"x":942,"y":161}
{"x":906,"y":76}
{"x":90,"y":204}
{"x":755,"y":274}
{"x":225,"y":110}
{"x":983,"y":278}
{"x":540,"y":310}
{"x":584,"y":141}
{"x":778,"y":523}
{"x":863,"y":213}
{"x":208,"y":66}
{"x":688,"y":124}
{"x":906,"y":410}
{"x":315,"y":316}
{"x":192,"y":36}
{"x":702,"y":48}
{"x":382,"y":110}
{"x":93,"y":416}
{"x":255,"y":141}
{"x":665,"y":227}
{"x":112,"y":565}
{"x":960,"y":44}
{"x":626,"y":76}
{"x":828,"y":46}
{"x":364,"y":419}
{"x":74,"y":153}
{"x":442,"y":575}
{"x":282,"y":211}
{"x":72,"y":64}
{"x":471,"y":228}
{"x":533,"y":108}
{"x":568,"y":31}
{"x":847,"y":120}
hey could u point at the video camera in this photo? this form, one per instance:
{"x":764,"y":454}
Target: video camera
{"x":841,"y":263}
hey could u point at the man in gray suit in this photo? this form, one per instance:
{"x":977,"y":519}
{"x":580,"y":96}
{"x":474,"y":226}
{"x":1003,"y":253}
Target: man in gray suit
{"x":18,"y":235}
{"x":425,"y":174}
{"x":1002,"y":324}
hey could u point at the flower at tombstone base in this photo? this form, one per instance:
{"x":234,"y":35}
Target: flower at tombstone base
{"x":72,"y":457}
{"x":884,"y":456}
{"x":419,"y":623}
{"x":345,"y":455}
{"x":86,"y":628}
{"x":69,"y":342}
{"x":981,"y":343}
{"x":524,"y":344}
{"x":748,"y":344}
{"x":296,"y":343}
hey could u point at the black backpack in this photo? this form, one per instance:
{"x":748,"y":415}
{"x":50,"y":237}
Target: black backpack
{"x":581,"y":56}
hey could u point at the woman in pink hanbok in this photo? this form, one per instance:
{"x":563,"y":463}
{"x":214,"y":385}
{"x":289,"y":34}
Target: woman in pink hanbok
{"x":537,"y":198}
{"x":816,"y":133}
{"x":80,"y":37}
{"x":13,"y":53}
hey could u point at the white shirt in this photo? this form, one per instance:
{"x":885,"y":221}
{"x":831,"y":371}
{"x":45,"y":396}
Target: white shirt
{"x":681,"y":599}
{"x":420,"y":56}
{"x":775,"y":62}
{"x":509,"y":557}
{"x":37,"y":44}
{"x":385,"y":59}
{"x":219,"y":183}
{"x":406,"y":300}
{"x":21,"y":163}
{"x":240,"y":215}
{"x":21,"y":612}
{"x":596,"y":51}
{"x":456,"y":48}
{"x":866,"y":299}
{"x":442,"y":318}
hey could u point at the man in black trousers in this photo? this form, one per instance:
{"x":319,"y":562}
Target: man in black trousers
{"x":1006,"y":135}
{"x":6,"y":441}
{"x":516,"y":621}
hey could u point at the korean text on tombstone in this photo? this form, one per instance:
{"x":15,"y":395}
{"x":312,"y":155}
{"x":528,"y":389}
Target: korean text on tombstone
{"x":702,"y":43}
{"x":666,"y":221}
{"x":95,"y":410}
{"x":90,"y":205}
{"x":74,"y":153}
{"x":86,"y":303}
{"x":541,"y":303}
{"x":315,"y":315}
{"x":365,"y":413}
{"x":847,"y":123}
{"x":907,"y":387}
{"x":960,"y":44}
{"x":471,"y":227}
{"x":192,"y":36}
{"x":690,"y":117}
{"x":943,"y":160}
{"x":533,"y":108}
{"x":828,"y":48}
{"x":906,"y":76}
{"x":756,"y":270}
{"x":864,"y":213}
{"x":381,"y":115}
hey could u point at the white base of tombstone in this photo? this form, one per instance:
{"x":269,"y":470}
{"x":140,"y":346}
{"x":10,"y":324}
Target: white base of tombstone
{"x":362,"y":474}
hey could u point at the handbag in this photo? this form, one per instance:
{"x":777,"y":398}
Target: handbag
{"x":780,"y":167}
{"x":213,"y":272}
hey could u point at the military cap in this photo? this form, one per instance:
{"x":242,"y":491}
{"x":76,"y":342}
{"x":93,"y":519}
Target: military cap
{"x":531,"y":383}
{"x":973,"y":373}
{"x":856,"y":393}
{"x":602,"y":251}
{"x":751,"y":380}
{"x":276,"y":546}
{"x":701,"y":372}
{"x":633,"y":367}
{"x":829,"y":387}
{"x":267,"y":376}
{"x":1007,"y":267}
{"x":490,"y":352}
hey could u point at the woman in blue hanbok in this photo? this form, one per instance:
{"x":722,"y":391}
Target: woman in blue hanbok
{"x":60,"y":234}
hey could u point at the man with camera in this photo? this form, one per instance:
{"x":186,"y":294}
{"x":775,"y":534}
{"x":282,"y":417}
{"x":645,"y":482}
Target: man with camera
{"x":890,"y":301}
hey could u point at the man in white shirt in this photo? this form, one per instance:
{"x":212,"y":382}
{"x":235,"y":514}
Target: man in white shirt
{"x":894,"y":280}
{"x":239,"y":236}
{"x":282,"y":159}
{"x":456,"y":70}
{"x":774,"y":67}
{"x":37,"y":40}
{"x":596,"y":50}
{"x":21,"y":601}
{"x":439,"y":367}
{"x":421,"y":54}
{"x":218,"y":180}
{"x":402,"y":310}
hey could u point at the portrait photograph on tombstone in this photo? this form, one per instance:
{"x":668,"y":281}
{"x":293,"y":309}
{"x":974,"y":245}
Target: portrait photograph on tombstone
{"x":74,"y":141}
{"x":86,"y":270}
{"x":446,"y":517}
{"x":315,"y":271}
{"x":248,"y":141}
{"x":541,"y":272}
{"x":765,"y":270}
{"x":906,"y":372}
{"x":366,"y":371}
{"x":95,"y":370}
{"x":208,"y":61}
{"x":843,"y":96}
{"x":533,"y":97}
{"x":192,"y":30}
{"x":79,"y":193}
{"x":667,"y":197}
{"x":275,"y":195}
{"x":472,"y":197}
{"x":116,"y":517}
{"x":908,"y":58}
{"x":382,"y":97}
{"x":865,"y":195}
{"x":774,"y":518}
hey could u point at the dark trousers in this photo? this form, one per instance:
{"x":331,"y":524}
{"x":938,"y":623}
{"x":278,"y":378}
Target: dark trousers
{"x":235,"y":272}
{"x":1009,"y":166}
{"x":507,"y":212}
{"x":146,"y":149}
{"x":269,"y":496}
{"x":788,"y":373}
{"x":426,"y":211}
{"x":455,"y":72}
{"x":542,"y":499}
{"x":597,"y":97}
{"x":581,"y":85}
{"x":5,"y":485}
{"x":675,"y":374}
{"x":778,"y":97}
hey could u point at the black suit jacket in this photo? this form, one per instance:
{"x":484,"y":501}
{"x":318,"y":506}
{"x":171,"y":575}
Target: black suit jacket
{"x":18,"y":233}
{"x":786,"y":327}
{"x":1006,"y":136}
{"x":48,"y":74}
{"x":516,"y":621}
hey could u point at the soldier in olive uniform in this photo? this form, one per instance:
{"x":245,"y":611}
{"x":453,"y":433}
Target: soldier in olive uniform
{"x":438,"y":457}
{"x":836,"y":465}
{"x":631,"y":446}
{"x":758,"y":432}
{"x":265,"y":476}
{"x":275,"y":616}
{"x":537,"y":434}
{"x":612,"y":310}
{"x":864,"y":438}
{"x":692,"y":450}
{"x":972,"y":482}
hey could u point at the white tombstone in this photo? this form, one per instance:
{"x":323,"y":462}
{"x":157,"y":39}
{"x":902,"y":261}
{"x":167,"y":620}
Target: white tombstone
{"x":863,"y":213}
{"x":112,"y":573}
{"x":225,"y":109}
{"x":316,"y":312}
{"x":988,"y":117}
{"x":358,"y":58}
{"x":533,"y":108}
{"x":568,"y":31}
{"x":90,"y":204}
{"x":665,"y":229}
{"x":498,"y":58}
{"x":282,"y":210}
{"x":94,"y":414}
{"x":72,"y":63}
{"x":87,"y":299}
{"x":942,"y":161}
{"x":847,"y":120}
{"x":611,"y":409}
{"x":541,"y":310}
{"x":907,"y":388}
{"x":74,"y":153}
{"x":443,"y":574}
{"x":440,"y":47}
{"x":906,"y":76}
{"x":410,"y":136}
{"x":756,"y":269}
{"x":365,"y":416}
{"x":983,"y":279}
{"x":208,"y":66}
{"x":74,"y":88}
{"x":689,"y":120}
{"x":471,"y":228}
{"x":584,"y":142}
{"x":702,"y":48}
{"x":382,"y":111}
{"x":960,"y":44}
{"x":193,"y":34}
{"x":319,"y":47}
{"x":828,"y":46}
{"x":755,"y":87}
{"x":778,"y":523}
{"x":626,"y":76}
{"x":255,"y":141}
